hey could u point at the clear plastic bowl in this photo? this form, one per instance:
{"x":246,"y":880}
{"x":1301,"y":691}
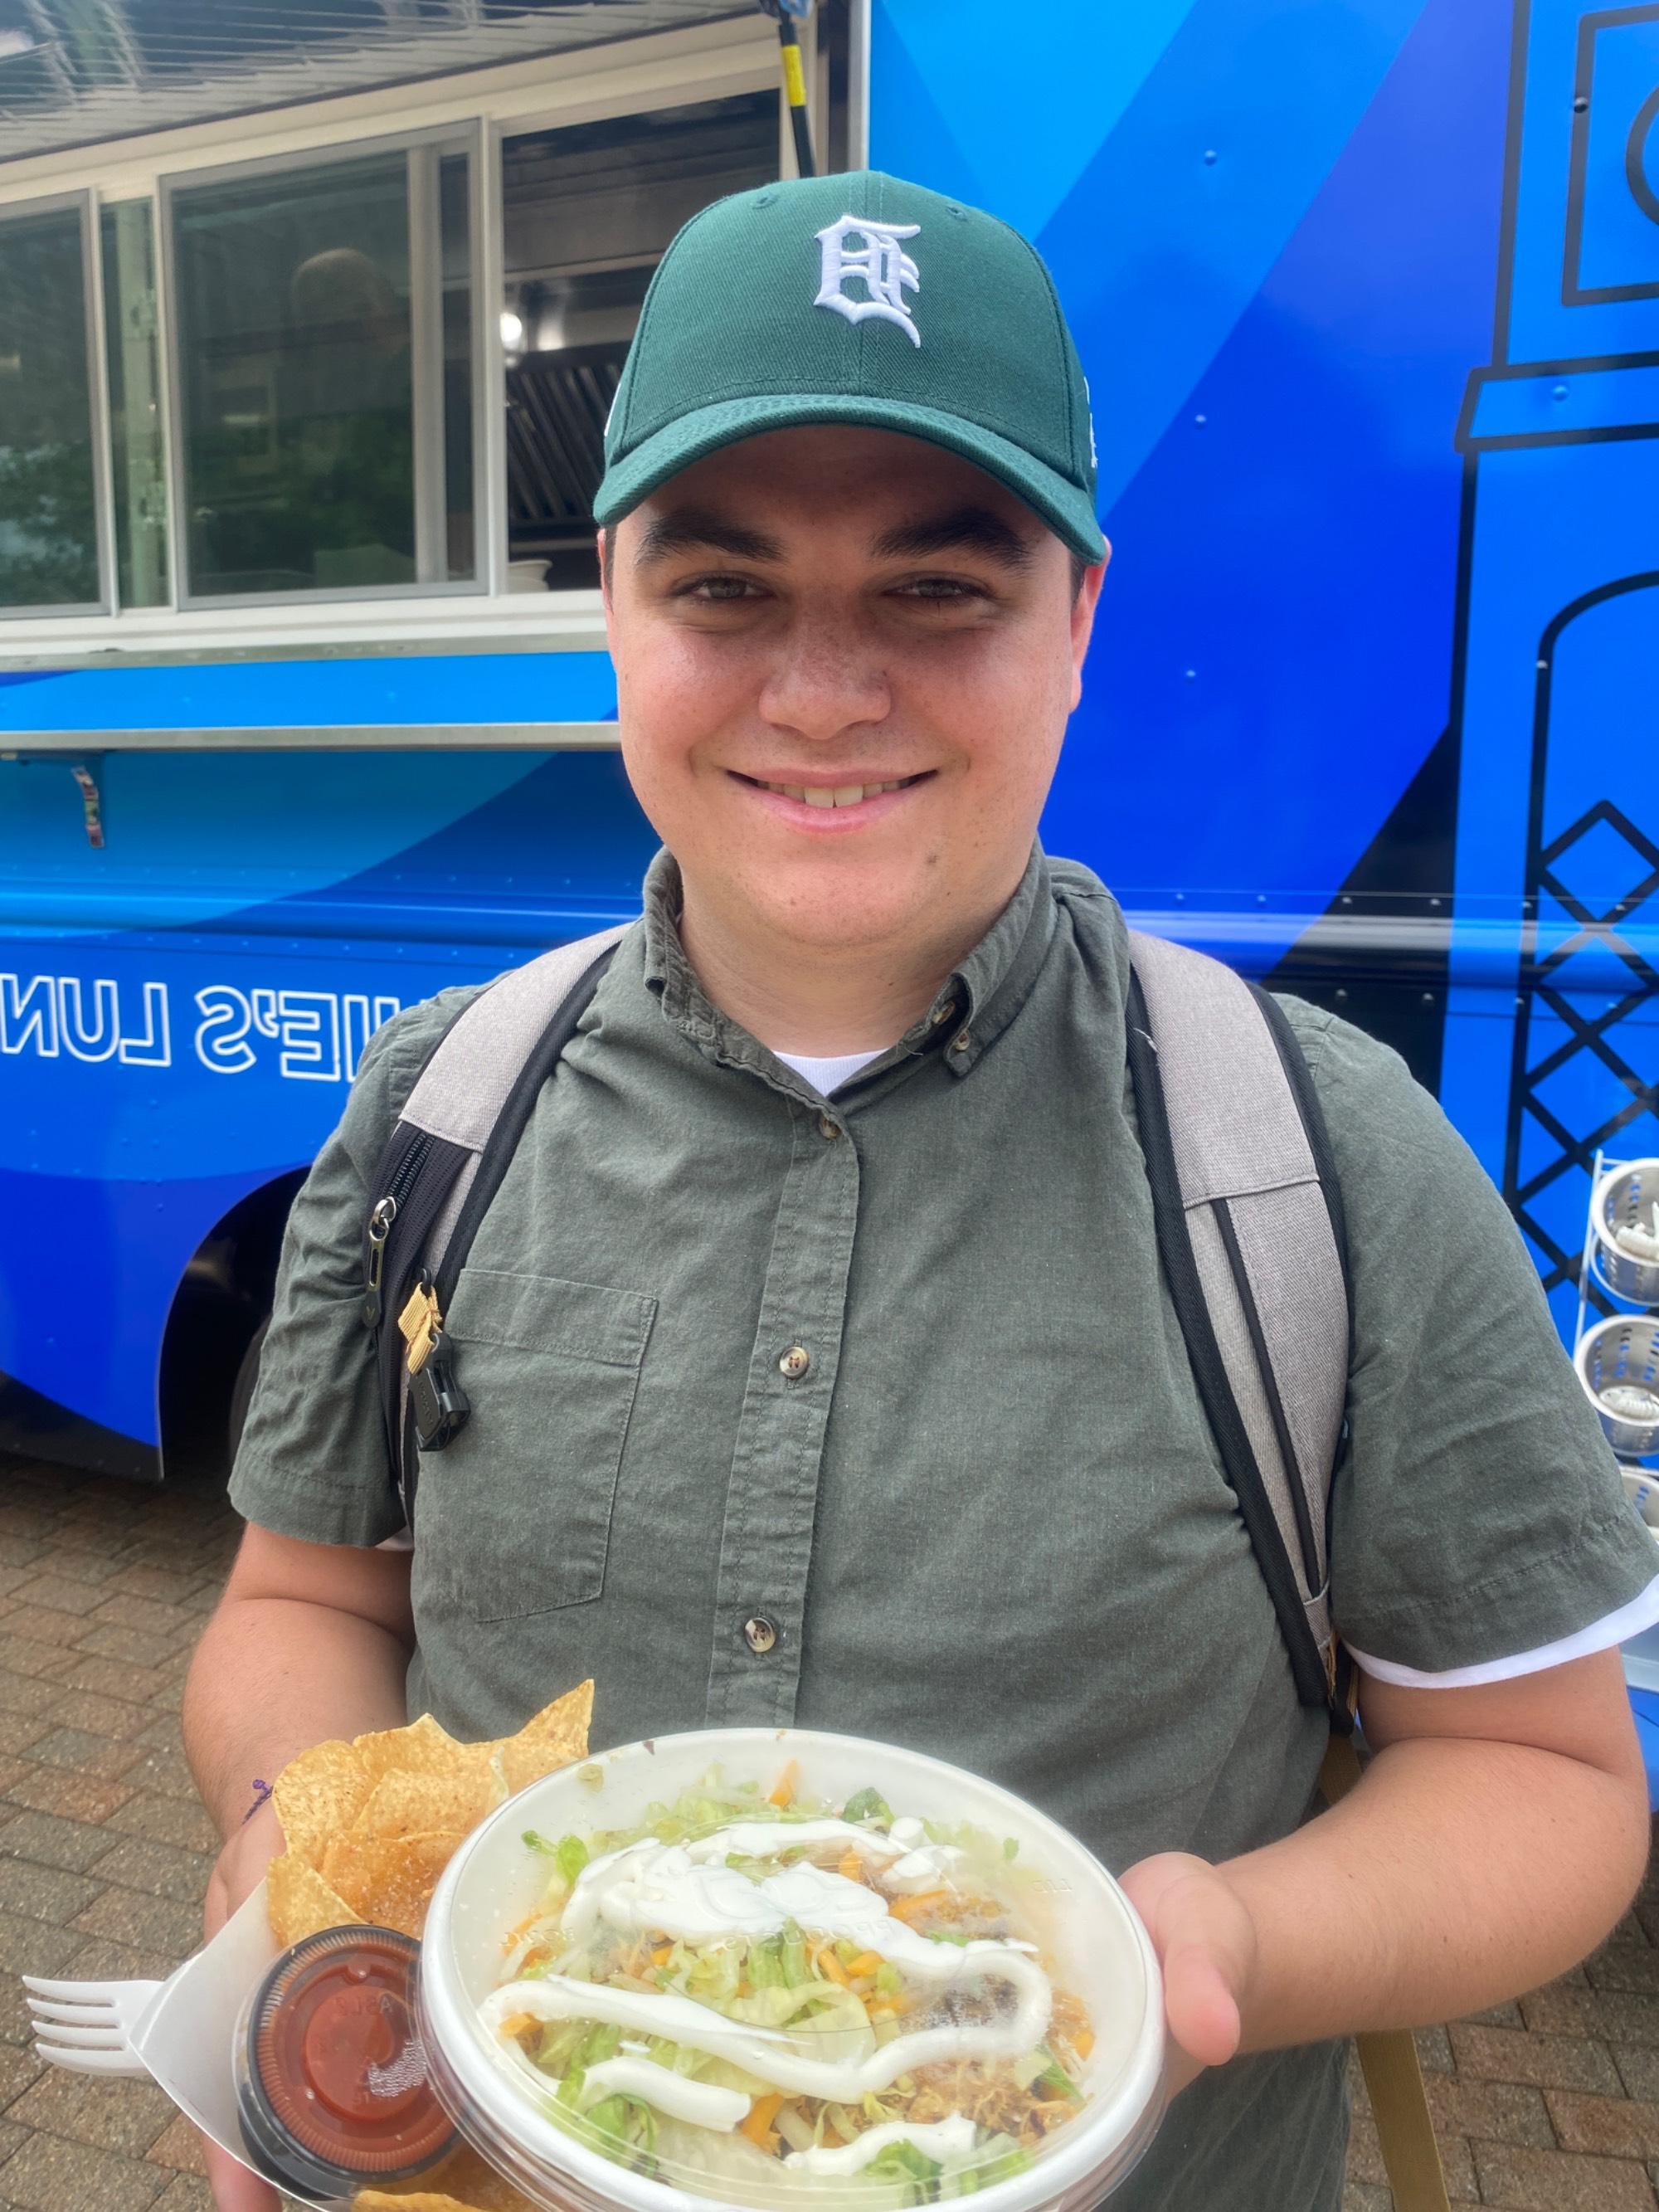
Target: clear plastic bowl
{"x":1100,"y":1949}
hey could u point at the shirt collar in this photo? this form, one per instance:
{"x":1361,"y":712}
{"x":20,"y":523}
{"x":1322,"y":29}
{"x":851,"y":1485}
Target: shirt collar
{"x":983,"y":996}
{"x":970,"y":1010}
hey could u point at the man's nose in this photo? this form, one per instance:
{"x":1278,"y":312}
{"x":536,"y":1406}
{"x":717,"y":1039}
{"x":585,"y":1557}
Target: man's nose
{"x":827,"y":677}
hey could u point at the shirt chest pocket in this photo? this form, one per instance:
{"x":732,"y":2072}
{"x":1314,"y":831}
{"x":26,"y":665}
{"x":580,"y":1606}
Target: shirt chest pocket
{"x":514,"y":1517}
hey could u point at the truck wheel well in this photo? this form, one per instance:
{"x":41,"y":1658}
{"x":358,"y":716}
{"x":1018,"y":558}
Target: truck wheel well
{"x":222,"y":1300}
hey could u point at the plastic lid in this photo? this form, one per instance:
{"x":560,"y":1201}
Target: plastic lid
{"x":334,"y":2087}
{"x":1023,"y":1882}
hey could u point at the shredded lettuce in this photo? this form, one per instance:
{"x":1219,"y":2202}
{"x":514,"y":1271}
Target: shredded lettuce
{"x":569,"y":1855}
{"x":1055,"y":2078}
{"x":784,"y":1982}
{"x":866,"y":1805}
{"x":902,"y":2162}
{"x":711,"y":1803}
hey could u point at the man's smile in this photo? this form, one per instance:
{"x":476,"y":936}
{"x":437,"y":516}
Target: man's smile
{"x":852,"y":797}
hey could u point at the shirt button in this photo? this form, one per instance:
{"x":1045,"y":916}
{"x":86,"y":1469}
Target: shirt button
{"x":760,"y":1634}
{"x":795,"y":1362}
{"x":961,"y":1042}
{"x":827,"y":1127}
{"x":941,"y":1014}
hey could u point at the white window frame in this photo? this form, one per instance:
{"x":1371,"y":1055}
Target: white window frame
{"x":101,"y":205}
{"x":103,"y":496}
{"x":731,"y":56}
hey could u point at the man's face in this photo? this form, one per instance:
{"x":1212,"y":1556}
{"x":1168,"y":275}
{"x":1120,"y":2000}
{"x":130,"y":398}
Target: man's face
{"x":845,"y":661}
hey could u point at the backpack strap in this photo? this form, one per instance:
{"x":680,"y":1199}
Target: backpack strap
{"x":443,"y":1163}
{"x":1251,"y":1232}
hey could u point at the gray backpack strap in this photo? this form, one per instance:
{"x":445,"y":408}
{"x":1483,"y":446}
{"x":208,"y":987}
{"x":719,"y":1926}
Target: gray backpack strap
{"x":442,"y":1164}
{"x":462,"y":1091}
{"x":1262,"y":1225}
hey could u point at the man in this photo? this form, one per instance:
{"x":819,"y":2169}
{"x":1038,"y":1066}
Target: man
{"x":820,"y":1362}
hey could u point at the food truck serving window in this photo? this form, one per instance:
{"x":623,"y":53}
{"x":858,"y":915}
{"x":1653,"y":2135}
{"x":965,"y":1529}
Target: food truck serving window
{"x":368,"y":359}
{"x":324,"y":337}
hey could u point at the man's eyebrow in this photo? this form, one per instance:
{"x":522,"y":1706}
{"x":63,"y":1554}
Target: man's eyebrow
{"x":694,"y":529}
{"x":964,"y":529}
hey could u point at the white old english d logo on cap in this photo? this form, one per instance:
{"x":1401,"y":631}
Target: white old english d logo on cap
{"x":880,"y":264}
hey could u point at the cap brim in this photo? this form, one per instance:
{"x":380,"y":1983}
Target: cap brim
{"x":1067,"y":510}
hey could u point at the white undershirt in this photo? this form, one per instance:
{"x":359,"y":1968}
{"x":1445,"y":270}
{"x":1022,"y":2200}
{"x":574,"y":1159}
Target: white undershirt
{"x":827,"y":1076}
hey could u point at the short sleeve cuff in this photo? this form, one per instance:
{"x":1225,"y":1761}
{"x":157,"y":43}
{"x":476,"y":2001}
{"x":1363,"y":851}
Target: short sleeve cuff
{"x":1613,"y":1628}
{"x":1596,"y":1593}
{"x":346,"y":1515}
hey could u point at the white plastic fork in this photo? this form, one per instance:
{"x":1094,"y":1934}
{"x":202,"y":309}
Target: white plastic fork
{"x":180,"y":2032}
{"x":88,"y":2026}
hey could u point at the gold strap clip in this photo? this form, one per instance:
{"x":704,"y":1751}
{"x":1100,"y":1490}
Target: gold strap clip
{"x":420,"y":1322}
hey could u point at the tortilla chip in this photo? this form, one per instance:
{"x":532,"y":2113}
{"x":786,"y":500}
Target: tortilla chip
{"x":422,"y":1747}
{"x":375,"y":1822}
{"x":406,"y":1804}
{"x":548,"y":1741}
{"x":425,"y":2200}
{"x":300,"y":1903}
{"x":463,"y":2184}
{"x":318,"y":1795}
{"x":467,"y":2177}
{"x":389,"y":1880}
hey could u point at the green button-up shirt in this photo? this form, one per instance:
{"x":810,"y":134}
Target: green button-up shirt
{"x":872,"y":1413}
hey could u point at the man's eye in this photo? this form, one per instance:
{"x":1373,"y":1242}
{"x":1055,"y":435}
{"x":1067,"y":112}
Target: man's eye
{"x":938,"y":590}
{"x":720,"y":591}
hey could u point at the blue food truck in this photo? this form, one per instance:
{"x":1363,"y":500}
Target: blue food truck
{"x":308,"y":329}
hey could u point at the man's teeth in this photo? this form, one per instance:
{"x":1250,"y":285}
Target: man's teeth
{"x":839,"y":795}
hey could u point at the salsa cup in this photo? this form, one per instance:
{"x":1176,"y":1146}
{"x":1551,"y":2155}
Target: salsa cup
{"x":1100,"y":1949}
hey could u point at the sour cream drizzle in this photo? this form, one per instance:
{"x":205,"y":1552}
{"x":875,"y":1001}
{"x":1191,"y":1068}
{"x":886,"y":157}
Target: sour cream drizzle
{"x":764,"y":1839}
{"x":783,"y":2061}
{"x":686,"y":1891}
{"x":941,"y":2139}
{"x":703,"y":2104}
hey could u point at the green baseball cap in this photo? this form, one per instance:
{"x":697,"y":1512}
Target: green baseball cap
{"x":856,"y":299}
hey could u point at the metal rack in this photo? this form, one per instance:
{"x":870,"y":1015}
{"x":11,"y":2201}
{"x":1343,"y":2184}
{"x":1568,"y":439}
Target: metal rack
{"x":1600,"y":1302}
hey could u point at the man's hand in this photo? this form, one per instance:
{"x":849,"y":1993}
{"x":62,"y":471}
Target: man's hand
{"x":1496,"y":1836}
{"x":237,"y":1873}
{"x":1205,"y":1943}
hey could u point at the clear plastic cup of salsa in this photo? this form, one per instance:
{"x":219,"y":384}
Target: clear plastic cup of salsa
{"x":332,"y":2081}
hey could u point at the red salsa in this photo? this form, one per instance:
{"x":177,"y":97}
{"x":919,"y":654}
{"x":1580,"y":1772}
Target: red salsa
{"x":334,"y":2090}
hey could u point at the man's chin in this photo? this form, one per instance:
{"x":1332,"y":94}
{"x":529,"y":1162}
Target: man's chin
{"x":837,"y":911}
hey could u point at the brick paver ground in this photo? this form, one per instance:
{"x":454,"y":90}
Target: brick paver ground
{"x":1551,"y":2105}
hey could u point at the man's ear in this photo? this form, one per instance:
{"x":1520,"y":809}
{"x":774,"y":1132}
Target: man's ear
{"x":607,"y":547}
{"x":1083,"y":619}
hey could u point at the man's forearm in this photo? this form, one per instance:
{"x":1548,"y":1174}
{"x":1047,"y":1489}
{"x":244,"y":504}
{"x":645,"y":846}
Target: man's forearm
{"x":1458,"y":1873}
{"x":271,"y":1677}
